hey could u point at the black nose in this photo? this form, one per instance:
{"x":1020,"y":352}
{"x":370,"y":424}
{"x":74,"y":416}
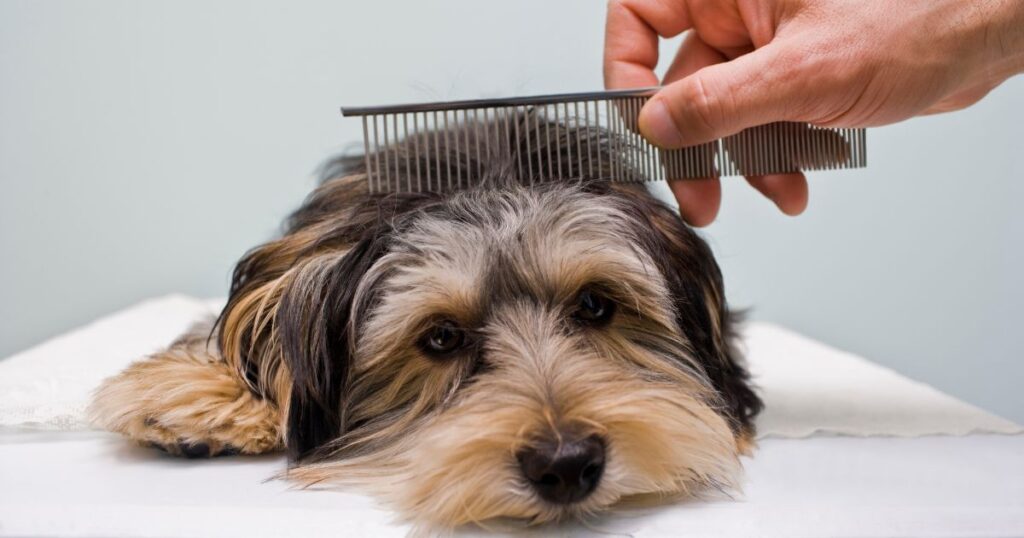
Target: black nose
{"x":566,"y":472}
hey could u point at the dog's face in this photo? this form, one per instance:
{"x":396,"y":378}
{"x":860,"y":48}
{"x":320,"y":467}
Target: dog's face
{"x":511,"y":350}
{"x":529,"y":353}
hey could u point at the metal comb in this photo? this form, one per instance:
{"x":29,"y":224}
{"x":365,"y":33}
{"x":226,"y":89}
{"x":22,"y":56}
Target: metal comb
{"x":599,"y":138}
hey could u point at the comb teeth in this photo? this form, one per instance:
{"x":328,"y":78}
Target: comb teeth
{"x":455,"y":145}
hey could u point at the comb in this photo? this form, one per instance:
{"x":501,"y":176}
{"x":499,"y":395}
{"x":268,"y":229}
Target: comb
{"x":412,"y":148}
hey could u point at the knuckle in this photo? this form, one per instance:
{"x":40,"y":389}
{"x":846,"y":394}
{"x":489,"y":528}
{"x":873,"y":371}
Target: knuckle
{"x":700,"y":110}
{"x":617,"y":5}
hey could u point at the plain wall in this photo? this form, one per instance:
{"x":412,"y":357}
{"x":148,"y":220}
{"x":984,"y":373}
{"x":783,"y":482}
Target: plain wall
{"x":144,"y":146}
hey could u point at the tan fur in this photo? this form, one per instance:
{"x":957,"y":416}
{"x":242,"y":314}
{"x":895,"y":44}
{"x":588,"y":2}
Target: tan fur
{"x":663,"y":439}
{"x":437,"y":438}
{"x":186,"y":395}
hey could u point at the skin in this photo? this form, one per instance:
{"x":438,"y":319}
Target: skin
{"x":834,"y":63}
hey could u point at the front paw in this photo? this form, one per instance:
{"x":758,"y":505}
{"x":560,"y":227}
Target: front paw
{"x":188,"y":406}
{"x":196,"y":450}
{"x":153,"y":434}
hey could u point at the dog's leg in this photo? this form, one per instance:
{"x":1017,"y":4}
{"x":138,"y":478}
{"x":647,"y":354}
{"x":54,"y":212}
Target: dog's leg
{"x":188,"y":401}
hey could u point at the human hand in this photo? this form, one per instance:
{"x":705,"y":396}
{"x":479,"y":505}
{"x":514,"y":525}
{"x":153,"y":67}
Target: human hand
{"x":831,"y":63}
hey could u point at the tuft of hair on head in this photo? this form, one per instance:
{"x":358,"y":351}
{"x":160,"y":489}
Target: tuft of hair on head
{"x":521,"y":149}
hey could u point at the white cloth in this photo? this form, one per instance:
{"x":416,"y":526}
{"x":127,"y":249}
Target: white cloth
{"x":49,"y":386}
{"x":84,"y":483}
{"x":91,"y":485}
{"x":807,"y":387}
{"x":810,"y":388}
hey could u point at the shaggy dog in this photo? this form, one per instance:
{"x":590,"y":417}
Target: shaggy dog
{"x":518,"y":349}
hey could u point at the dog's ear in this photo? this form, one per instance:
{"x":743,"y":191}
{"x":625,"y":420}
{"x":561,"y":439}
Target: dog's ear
{"x":695,"y":282}
{"x":290,"y":302}
{"x":245,"y":335}
{"x":316,"y":326}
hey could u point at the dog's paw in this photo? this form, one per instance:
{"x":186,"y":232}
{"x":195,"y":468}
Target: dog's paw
{"x":186,"y":405}
{"x":193,"y":450}
{"x":184,"y":444}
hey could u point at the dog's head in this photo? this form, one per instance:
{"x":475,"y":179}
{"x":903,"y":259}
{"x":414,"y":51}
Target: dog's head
{"x":528,"y":352}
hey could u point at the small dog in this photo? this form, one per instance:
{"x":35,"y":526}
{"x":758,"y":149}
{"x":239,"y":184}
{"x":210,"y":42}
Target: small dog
{"x":510,"y":350}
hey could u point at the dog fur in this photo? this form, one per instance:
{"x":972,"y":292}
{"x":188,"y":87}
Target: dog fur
{"x":328,"y":345}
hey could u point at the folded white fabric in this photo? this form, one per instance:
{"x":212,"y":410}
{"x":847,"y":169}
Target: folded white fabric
{"x":49,"y":386}
{"x":808,"y":388}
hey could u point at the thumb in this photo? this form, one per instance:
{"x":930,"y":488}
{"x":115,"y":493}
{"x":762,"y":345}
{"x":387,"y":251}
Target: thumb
{"x":722,"y":99}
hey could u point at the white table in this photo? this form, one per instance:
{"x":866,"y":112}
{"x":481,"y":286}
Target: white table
{"x":852,"y":450}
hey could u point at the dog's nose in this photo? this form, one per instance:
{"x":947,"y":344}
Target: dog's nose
{"x":566,"y":472}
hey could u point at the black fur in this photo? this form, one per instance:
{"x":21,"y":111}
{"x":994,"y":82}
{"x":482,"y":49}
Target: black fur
{"x":691,"y":272}
{"x":316,"y":344}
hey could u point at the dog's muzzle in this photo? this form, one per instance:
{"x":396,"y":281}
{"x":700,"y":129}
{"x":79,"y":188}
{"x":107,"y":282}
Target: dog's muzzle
{"x":564,"y":471}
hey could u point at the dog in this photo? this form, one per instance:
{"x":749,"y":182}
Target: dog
{"x":529,"y":350}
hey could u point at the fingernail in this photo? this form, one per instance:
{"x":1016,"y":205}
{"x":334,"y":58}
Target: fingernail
{"x":656,"y":125}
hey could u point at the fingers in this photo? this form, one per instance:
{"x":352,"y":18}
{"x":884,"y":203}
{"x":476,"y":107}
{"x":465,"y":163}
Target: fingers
{"x":693,"y":55}
{"x":723,"y":99}
{"x":699,"y":199}
{"x":631,"y":39}
{"x":707,"y":98}
{"x":787,"y":191}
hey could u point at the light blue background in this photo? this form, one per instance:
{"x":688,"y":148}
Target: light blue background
{"x":145,"y":145}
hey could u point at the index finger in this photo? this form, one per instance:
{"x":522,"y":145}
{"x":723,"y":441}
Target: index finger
{"x":631,"y":35}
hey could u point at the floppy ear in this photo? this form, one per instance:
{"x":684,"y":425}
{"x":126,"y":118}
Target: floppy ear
{"x":695,"y":282}
{"x":316,"y":322}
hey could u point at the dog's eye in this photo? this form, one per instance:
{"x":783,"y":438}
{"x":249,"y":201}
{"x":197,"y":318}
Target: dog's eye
{"x":593,"y":308}
{"x":443,"y":338}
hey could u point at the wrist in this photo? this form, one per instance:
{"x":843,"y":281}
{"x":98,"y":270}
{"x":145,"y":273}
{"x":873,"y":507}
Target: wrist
{"x":1004,"y":38}
{"x":1015,"y":35}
